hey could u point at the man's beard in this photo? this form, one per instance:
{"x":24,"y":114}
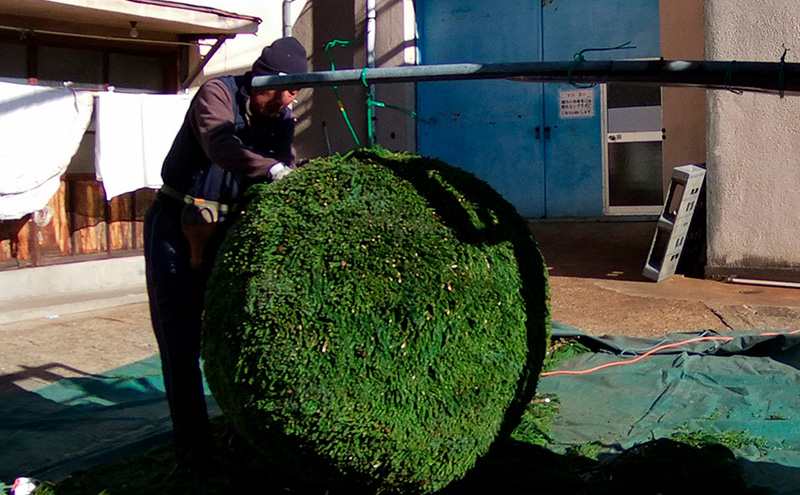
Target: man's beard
{"x":265,"y":110}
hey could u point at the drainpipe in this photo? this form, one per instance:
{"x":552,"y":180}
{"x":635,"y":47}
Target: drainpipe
{"x":287,"y":18}
{"x":371,"y":24}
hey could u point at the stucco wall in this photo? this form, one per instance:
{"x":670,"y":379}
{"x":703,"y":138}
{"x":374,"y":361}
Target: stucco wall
{"x":753,"y":147}
{"x":683,"y":109}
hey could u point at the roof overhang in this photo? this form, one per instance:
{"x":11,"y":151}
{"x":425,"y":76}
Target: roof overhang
{"x":153,"y":16}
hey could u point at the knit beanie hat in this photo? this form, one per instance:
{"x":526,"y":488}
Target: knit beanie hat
{"x":284,"y":56}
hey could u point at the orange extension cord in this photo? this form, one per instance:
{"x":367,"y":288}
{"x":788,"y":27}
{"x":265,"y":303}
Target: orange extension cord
{"x":653,"y":351}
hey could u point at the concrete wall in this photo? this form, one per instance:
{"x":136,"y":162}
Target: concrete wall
{"x":753,"y":147}
{"x":70,"y":278}
{"x":683,"y":109}
{"x":322,"y":129}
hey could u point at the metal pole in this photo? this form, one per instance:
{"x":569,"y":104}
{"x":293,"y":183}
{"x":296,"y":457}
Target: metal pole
{"x":371,"y":25}
{"x":287,"y":18}
{"x":771,"y":77}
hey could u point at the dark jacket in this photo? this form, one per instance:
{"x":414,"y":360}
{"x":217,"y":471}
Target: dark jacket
{"x":219,"y":144}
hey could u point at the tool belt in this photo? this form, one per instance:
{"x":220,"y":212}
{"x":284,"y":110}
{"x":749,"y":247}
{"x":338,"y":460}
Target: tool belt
{"x":198,"y":210}
{"x":199,"y":221}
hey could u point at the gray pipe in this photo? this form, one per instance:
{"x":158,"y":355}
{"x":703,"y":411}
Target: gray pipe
{"x":772,"y":77}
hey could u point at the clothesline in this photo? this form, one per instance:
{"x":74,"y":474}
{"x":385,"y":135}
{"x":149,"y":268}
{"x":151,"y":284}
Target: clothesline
{"x":42,"y":128}
{"x":93,"y":89}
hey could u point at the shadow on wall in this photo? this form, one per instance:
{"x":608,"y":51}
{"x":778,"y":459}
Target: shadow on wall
{"x":323,"y":129}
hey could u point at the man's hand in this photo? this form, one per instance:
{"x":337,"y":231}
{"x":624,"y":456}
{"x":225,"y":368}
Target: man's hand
{"x":279,"y":171}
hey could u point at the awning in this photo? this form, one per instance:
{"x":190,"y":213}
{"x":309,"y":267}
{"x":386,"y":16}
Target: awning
{"x":157,"y":16}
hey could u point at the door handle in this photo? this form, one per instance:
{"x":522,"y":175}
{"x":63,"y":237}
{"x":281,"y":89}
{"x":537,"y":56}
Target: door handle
{"x":537,"y":133}
{"x":547,"y":133}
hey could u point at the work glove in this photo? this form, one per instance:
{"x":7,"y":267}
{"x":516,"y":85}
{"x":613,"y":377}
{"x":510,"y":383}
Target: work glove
{"x":279,"y":171}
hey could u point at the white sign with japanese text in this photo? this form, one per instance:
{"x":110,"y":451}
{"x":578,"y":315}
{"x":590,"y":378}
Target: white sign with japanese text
{"x":576,"y":104}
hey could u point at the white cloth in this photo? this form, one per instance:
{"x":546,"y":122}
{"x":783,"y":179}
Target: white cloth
{"x":40,"y":131}
{"x":134,"y":133}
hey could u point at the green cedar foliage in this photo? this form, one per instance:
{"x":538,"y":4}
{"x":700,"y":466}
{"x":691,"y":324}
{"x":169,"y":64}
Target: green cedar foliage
{"x":376,"y":320}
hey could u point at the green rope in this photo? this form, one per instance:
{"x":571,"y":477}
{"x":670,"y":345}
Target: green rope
{"x":410,"y":113}
{"x":579,"y":58}
{"x":370,"y":100}
{"x":729,"y":79}
{"x":370,"y":126}
{"x":375,"y":103}
{"x":328,"y":46}
{"x":782,"y":74}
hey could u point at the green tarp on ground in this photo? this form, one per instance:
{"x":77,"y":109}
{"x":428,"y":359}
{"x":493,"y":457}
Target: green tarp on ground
{"x":750,"y":382}
{"x":76,"y":423}
{"x":747,"y":382}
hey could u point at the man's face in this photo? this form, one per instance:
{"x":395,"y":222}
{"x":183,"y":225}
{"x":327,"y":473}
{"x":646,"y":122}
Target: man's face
{"x":271,"y":102}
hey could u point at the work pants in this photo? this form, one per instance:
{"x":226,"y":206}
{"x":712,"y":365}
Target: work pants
{"x":176,"y":293}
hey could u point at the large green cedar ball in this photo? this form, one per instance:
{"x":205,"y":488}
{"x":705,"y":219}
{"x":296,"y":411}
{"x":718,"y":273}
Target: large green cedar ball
{"x":376,"y":320}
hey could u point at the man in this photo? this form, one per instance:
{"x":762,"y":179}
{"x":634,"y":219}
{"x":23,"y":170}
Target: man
{"x":231,"y":136}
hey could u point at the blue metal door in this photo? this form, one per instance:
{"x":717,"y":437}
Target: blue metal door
{"x":573,"y":151}
{"x":540,"y":146}
{"x":490,"y":128}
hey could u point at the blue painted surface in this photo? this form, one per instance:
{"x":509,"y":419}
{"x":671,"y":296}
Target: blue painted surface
{"x":511,"y":134}
{"x":573,"y":156}
{"x":484,"y":127}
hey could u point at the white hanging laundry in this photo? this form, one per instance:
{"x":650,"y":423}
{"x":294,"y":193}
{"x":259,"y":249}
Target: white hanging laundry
{"x":14,"y":206}
{"x":134,"y":133}
{"x":40,"y":130}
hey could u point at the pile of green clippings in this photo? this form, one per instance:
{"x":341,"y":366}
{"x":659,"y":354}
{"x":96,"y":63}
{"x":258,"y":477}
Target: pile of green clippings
{"x":376,"y":321}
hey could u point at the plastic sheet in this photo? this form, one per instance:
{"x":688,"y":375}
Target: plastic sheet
{"x":747,"y":382}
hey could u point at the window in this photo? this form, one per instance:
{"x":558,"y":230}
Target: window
{"x":57,"y":64}
{"x":142,"y":72}
{"x":633,"y":148}
{"x":90,"y":65}
{"x":14,"y":60}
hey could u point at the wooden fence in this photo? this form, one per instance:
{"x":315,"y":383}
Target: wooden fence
{"x":83,"y":226}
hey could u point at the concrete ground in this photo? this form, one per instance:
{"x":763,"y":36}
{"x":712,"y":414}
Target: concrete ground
{"x":596,"y":286}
